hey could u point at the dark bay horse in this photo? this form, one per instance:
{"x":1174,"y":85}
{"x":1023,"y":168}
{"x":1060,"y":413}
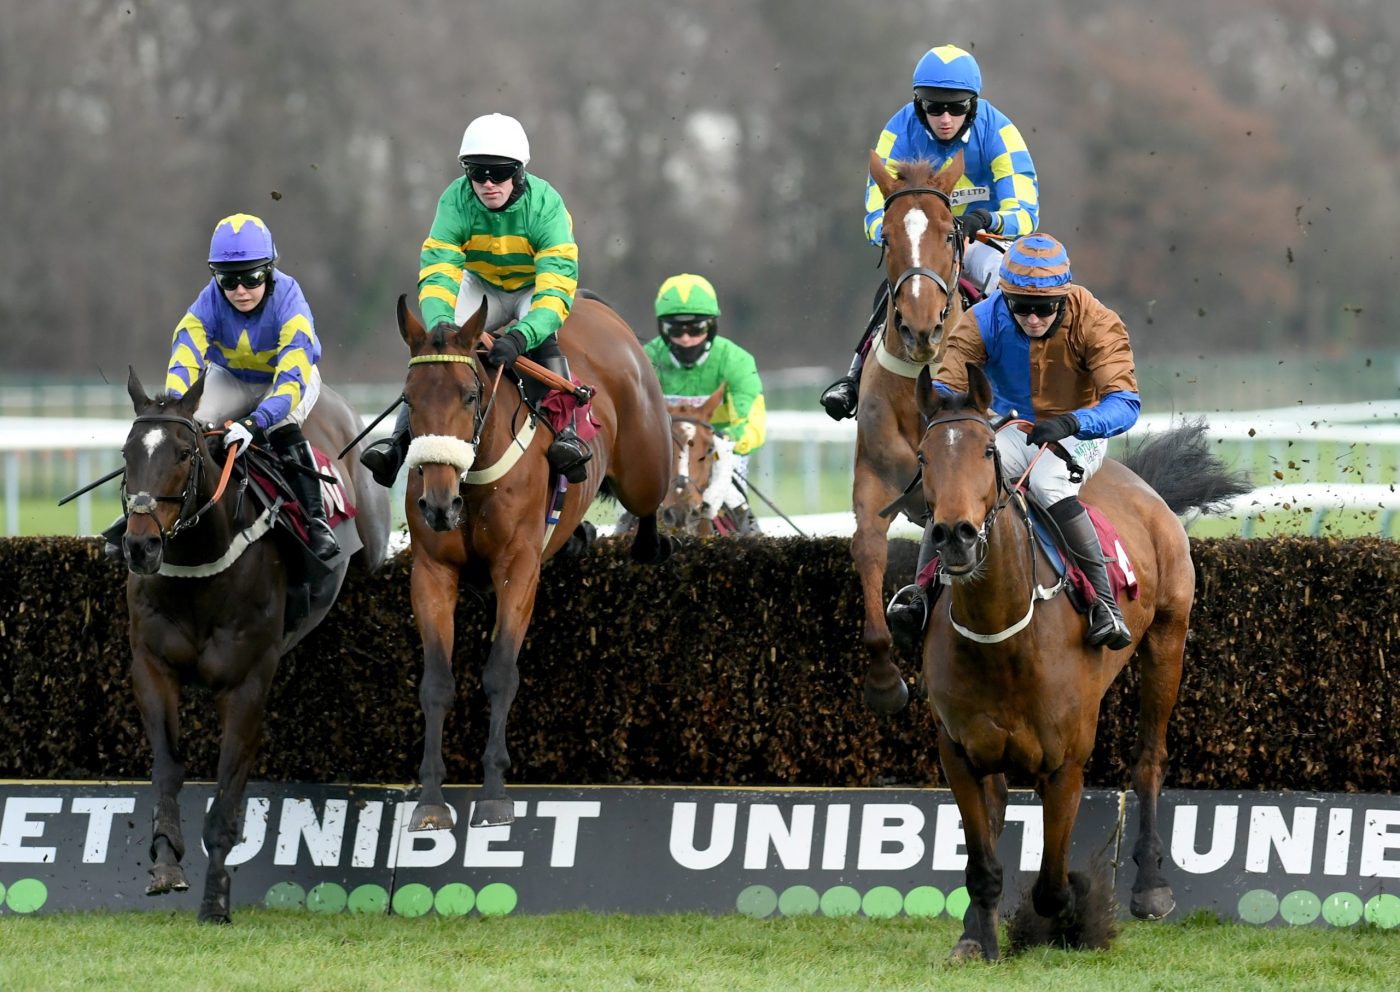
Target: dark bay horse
{"x":923,"y":260}
{"x":206,"y":594}
{"x":488,"y":523}
{"x":1014,"y":686}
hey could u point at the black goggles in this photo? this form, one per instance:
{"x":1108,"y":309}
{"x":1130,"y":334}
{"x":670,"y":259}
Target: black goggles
{"x":1035,"y":307}
{"x":678,"y":327}
{"x":478,"y":172}
{"x":955,"y":108}
{"x":249,"y":278}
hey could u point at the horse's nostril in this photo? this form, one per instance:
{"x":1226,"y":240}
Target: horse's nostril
{"x":940,"y":533}
{"x":966,"y":532}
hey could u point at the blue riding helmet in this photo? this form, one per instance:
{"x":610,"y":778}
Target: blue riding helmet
{"x":241,"y":242}
{"x":948,"y":67}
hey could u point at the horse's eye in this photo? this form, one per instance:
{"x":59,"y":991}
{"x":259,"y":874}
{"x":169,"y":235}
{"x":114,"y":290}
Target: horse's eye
{"x":920,"y":457}
{"x":185,"y":454}
{"x":991,"y":451}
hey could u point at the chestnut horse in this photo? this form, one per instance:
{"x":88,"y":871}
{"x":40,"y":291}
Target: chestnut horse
{"x":693,"y":444}
{"x":489,"y":523}
{"x":923,"y":260}
{"x":206,"y":595}
{"x":1015,"y":688}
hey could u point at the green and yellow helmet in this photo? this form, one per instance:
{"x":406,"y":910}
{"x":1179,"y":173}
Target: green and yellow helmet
{"x":687,"y":316}
{"x":687,"y":294}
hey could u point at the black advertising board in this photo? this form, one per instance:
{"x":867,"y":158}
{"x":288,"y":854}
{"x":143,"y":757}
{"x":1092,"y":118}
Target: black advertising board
{"x":1264,"y":858}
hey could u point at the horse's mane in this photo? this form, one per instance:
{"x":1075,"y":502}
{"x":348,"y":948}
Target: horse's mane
{"x":1181,"y":467}
{"x":588,"y":294}
{"x":916,"y":173}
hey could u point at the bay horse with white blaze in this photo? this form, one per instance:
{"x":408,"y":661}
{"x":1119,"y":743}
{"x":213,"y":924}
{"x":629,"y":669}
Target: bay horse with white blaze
{"x":1015,"y":688}
{"x":923,"y":260}
{"x":489,"y":523}
{"x":207,"y":598}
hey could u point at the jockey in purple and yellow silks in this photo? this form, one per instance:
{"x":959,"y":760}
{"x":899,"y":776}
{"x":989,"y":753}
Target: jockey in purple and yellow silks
{"x":503,"y":236}
{"x":998,"y":193}
{"x":251,"y":336}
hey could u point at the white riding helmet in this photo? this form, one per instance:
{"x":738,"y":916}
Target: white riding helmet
{"x":497,"y":136}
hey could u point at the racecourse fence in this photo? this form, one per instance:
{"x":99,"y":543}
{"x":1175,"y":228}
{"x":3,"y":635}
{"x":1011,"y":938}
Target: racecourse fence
{"x":735,"y":663}
{"x":1313,"y":460}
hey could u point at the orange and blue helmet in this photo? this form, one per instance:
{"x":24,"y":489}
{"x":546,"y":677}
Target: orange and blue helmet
{"x":1035,"y":265}
{"x":241,"y":242}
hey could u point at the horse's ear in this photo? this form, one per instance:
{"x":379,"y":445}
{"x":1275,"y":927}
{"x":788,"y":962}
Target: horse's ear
{"x":475,"y":324}
{"x":410,"y":327}
{"x":929,"y":400}
{"x":951,"y":172}
{"x":979,"y":388}
{"x":135,"y":390}
{"x":880,"y":174}
{"x":190,"y":401}
{"x":708,"y":408}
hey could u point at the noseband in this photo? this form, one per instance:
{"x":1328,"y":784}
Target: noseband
{"x":1003,"y":495}
{"x":950,"y":286}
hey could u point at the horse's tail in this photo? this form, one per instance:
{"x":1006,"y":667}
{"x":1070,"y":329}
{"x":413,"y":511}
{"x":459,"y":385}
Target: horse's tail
{"x":1183,"y":470}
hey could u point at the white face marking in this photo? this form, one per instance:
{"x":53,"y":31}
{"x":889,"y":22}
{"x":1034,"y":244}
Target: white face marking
{"x":915,"y":224}
{"x":683,"y":455}
{"x":152,"y":440}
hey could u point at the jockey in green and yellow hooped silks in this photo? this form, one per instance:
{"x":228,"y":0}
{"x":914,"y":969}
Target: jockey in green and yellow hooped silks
{"x":692,"y":361}
{"x":251,"y":335}
{"x":503,"y":236}
{"x":999,"y":192}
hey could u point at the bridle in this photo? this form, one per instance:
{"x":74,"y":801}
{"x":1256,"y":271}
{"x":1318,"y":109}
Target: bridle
{"x":948,"y":286}
{"x":689,"y":481}
{"x":479,"y":417}
{"x":1004,"y":496}
{"x":145,"y":503}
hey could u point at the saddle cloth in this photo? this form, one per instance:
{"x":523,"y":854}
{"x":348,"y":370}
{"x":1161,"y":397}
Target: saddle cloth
{"x":334,"y":496}
{"x":1121,"y":577}
{"x":560,"y":407}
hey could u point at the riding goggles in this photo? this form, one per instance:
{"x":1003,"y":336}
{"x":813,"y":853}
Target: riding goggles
{"x":251,"y":278}
{"x":1040,"y":306}
{"x":954,"y":108}
{"x":676,"y":328}
{"x":495,"y":173}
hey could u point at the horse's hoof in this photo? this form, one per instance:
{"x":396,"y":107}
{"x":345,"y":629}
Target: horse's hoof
{"x":430,"y":816}
{"x":166,"y":878}
{"x":219,"y":916}
{"x":886,"y":700}
{"x":493,"y":813}
{"x":966,"y":950}
{"x":1153,"y":904}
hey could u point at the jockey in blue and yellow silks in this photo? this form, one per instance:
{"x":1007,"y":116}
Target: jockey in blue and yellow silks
{"x":998,"y":193}
{"x":502,"y":236}
{"x":249,"y":334}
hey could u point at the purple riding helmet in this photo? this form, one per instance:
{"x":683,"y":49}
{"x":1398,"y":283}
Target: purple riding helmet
{"x":241,"y":242}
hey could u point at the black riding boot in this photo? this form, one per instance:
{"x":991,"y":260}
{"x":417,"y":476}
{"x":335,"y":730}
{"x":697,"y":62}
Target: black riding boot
{"x":841,"y":397}
{"x":907,"y":614}
{"x":292,"y":445}
{"x":1106,"y":624}
{"x":568,"y":454}
{"x":384,"y":457}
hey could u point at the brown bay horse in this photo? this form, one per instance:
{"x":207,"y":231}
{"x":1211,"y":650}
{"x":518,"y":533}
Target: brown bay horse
{"x":488,"y":523}
{"x":207,"y":598}
{"x":1013,"y":685}
{"x":923,"y":260}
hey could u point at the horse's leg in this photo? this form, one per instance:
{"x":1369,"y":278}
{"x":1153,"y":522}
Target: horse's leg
{"x":649,"y":545}
{"x":1060,"y":793}
{"x":158,"y":698}
{"x":516,"y":576}
{"x":885,"y":689}
{"x":240,"y":715}
{"x":979,"y":936}
{"x":433,"y":592}
{"x":1160,"y":661}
